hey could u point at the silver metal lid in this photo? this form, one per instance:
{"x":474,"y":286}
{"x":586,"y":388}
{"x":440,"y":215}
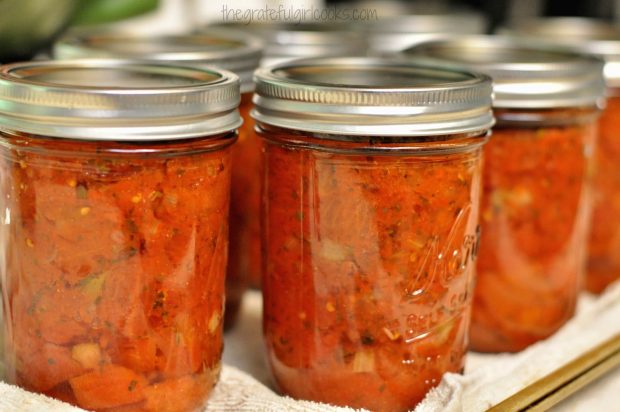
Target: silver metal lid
{"x":287,"y":41}
{"x":580,"y":34}
{"x":397,"y":33}
{"x":117,"y":100}
{"x":229,"y":51}
{"x":372,"y":97}
{"x":523,"y":76}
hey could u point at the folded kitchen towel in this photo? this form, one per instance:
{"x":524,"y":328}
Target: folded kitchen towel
{"x":15,"y":399}
{"x":245,"y":384}
{"x":489,"y":379}
{"x":237,"y":391}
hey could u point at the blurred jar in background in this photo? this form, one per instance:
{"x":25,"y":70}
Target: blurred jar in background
{"x":395,"y":33}
{"x":284,"y":42}
{"x":536,"y":202}
{"x":602,"y":39}
{"x":114,"y":240}
{"x":370,"y":216}
{"x":241,"y":55}
{"x":288,"y":41}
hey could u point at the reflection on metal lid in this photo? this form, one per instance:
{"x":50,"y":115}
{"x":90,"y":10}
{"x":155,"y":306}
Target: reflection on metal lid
{"x":237,"y":53}
{"x":523,"y":76}
{"x":117,"y":100}
{"x":577,"y":33}
{"x":367,"y":96}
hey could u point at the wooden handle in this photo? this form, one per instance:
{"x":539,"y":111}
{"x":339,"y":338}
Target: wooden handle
{"x":559,"y":384}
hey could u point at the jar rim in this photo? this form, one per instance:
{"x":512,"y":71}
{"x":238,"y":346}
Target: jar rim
{"x":284,"y":41}
{"x":372,"y":96}
{"x":120,"y":100}
{"x":379,"y":145}
{"x":524,"y":76}
{"x":466,"y":22}
{"x":231,"y":51}
{"x":581,"y":34}
{"x":395,"y":33}
{"x":12,"y":142}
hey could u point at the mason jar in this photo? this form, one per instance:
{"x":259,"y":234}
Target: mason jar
{"x":371,"y":185}
{"x":115,"y":178}
{"x":282,"y":42}
{"x":287,"y":41}
{"x":536,"y":202}
{"x":392,"y":34}
{"x":241,"y":55}
{"x":601,"y":39}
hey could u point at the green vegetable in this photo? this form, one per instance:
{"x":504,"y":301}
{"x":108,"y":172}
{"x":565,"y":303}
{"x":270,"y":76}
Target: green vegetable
{"x":106,"y":11}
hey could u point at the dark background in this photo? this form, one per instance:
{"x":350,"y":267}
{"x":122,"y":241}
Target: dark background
{"x":499,"y":12}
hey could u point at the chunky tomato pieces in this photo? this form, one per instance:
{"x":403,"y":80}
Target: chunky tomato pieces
{"x":534,"y":219}
{"x":113,"y":277}
{"x":369,"y":271}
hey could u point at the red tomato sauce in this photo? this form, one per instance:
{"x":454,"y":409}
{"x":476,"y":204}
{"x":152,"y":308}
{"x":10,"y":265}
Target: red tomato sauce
{"x":604,"y":245}
{"x":535,"y":217}
{"x":245,"y":255}
{"x":113,"y":271}
{"x":368,"y":269}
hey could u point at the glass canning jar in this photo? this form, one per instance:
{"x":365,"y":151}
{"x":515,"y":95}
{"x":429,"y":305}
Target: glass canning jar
{"x":536,"y":202}
{"x":115,"y":178}
{"x":392,"y":34}
{"x":230,"y":51}
{"x":370,"y":213}
{"x":287,"y":41}
{"x":604,"y":245}
{"x":601,"y":39}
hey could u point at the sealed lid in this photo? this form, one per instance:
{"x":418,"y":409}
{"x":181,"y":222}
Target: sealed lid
{"x":368,"y":96}
{"x":577,"y":33}
{"x":399,"y":32}
{"x":237,"y":53}
{"x":286,"y":41}
{"x":117,"y":100}
{"x":523,"y":76}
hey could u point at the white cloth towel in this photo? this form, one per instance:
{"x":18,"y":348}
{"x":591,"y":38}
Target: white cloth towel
{"x":245,"y":384}
{"x":492,"y":378}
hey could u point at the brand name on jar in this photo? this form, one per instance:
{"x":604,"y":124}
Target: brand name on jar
{"x":444,"y":263}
